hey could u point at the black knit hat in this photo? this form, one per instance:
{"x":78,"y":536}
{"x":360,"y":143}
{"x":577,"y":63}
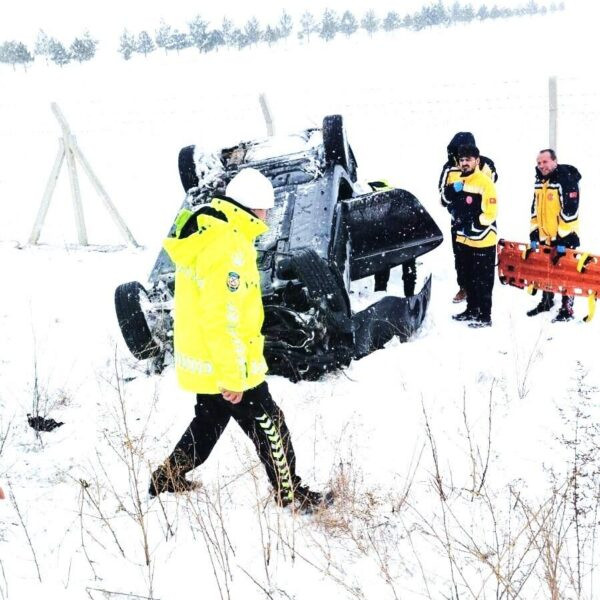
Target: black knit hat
{"x":468,"y":151}
{"x":461,"y":138}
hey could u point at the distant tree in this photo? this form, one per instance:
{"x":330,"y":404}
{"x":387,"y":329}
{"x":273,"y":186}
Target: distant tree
{"x":239,"y":38}
{"x":179,"y":41}
{"x":468,"y":13}
{"x":57,"y":53}
{"x":144,"y":44}
{"x":252,"y":31}
{"x":214,"y":39}
{"x":285,"y":25}
{"x":370,"y":22}
{"x":271,"y":35}
{"x":348,"y":24}
{"x":308,"y":25}
{"x":329,"y":25}
{"x":561,"y":6}
{"x":407,"y":21}
{"x":495,"y":12}
{"x":462,"y":14}
{"x":438,"y":14}
{"x":392,"y":21}
{"x":227,"y":31}
{"x":163,"y":36}
{"x":84,"y":48}
{"x":483,"y":12}
{"x":15,"y":53}
{"x":532,"y":8}
{"x":198,"y":32}
{"x":42,"y":45}
{"x":127,"y":45}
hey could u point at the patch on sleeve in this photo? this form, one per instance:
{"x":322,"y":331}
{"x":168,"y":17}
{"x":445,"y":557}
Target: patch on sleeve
{"x":492,"y":200}
{"x":572,"y":194}
{"x":233,"y":281}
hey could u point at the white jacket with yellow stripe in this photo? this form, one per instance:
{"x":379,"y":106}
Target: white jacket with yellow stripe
{"x":218,"y":302}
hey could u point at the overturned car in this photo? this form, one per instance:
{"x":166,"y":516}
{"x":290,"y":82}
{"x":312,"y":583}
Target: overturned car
{"x":324,"y":232}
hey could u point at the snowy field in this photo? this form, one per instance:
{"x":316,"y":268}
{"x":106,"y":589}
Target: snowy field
{"x":465,"y":462}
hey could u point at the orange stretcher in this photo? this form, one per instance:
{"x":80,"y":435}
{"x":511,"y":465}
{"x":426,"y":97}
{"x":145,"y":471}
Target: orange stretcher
{"x":575,"y":273}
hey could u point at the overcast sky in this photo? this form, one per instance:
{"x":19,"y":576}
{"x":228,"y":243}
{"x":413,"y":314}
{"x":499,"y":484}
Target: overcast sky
{"x":21,"y":19}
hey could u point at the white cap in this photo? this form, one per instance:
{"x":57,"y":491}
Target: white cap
{"x":251,"y":189}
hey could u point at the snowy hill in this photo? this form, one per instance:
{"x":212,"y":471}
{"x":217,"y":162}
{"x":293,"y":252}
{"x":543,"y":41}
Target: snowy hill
{"x":465,"y":462}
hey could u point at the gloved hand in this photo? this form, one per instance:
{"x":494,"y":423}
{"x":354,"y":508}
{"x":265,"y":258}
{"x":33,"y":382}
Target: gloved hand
{"x":458,"y":186}
{"x":560,"y":252}
{"x":534,"y":244}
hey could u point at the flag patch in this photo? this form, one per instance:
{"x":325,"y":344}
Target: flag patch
{"x":233,"y":281}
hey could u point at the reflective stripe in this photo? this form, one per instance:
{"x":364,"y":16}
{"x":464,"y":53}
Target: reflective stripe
{"x":278,"y":454}
{"x":192,"y":364}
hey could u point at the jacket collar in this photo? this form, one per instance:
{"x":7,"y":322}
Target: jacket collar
{"x":240,"y":217}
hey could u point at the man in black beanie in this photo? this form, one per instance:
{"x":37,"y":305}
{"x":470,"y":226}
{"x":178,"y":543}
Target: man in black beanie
{"x":472,"y":203}
{"x":451,"y":173}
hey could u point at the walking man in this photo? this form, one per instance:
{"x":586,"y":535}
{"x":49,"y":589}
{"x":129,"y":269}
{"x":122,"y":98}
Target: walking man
{"x":218,"y":341}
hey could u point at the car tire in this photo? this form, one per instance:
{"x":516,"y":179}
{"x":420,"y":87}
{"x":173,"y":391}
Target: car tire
{"x":132,"y":320}
{"x":187,"y":168}
{"x":321,"y":280}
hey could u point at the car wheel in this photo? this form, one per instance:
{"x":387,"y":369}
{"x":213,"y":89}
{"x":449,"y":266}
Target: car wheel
{"x":129,"y":300}
{"x":321,"y":281}
{"x":187,"y":168}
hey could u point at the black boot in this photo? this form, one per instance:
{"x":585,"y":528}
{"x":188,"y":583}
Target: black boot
{"x":544,"y":305}
{"x":565,"y":312}
{"x":170,"y":477}
{"x":467,"y":315}
{"x":305,"y":499}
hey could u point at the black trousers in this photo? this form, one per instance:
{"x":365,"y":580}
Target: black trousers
{"x":478,"y":269}
{"x":409,"y":278}
{"x":260,"y":419}
{"x":458,"y":262}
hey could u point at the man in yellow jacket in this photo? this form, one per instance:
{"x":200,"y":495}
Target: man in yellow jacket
{"x":218,"y":342}
{"x":472,"y":203}
{"x":554,"y":219}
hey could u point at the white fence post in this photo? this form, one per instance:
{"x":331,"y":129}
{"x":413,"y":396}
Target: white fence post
{"x":267,"y":114}
{"x":553,"y":112}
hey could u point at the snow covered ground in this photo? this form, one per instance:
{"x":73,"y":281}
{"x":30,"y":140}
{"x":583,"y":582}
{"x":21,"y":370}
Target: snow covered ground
{"x":465,"y":462}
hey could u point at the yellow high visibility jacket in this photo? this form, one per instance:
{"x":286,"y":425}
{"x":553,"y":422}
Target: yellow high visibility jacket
{"x":473,"y":209}
{"x":555,"y":207}
{"x":218,"y":302}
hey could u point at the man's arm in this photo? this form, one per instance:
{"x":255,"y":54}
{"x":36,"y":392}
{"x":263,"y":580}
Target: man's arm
{"x":534,"y":227}
{"x":489,"y":205}
{"x":568,"y":218}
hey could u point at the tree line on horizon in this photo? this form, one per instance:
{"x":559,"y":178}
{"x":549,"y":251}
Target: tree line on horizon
{"x":206,"y":38}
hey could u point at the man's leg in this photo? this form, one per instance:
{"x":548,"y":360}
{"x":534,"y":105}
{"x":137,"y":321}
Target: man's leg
{"x":565,"y":312}
{"x":264,"y":423}
{"x":409,"y":277}
{"x":194,"y":447}
{"x":544,"y":305}
{"x":483,"y":283}
{"x":465,"y":257}
{"x":381,"y":280}
{"x":205,"y":429}
{"x":459,"y":267}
